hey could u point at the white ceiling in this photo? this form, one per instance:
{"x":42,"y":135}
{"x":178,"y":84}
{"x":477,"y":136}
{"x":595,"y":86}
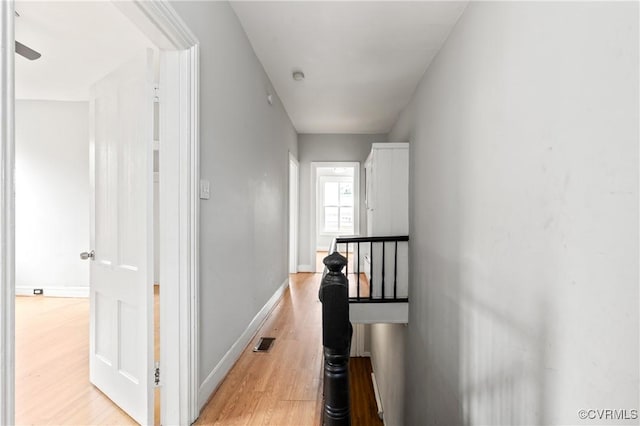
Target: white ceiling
{"x":80,"y":42}
{"x":362,"y":60}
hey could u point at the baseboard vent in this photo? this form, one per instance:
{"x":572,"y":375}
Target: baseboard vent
{"x":264,"y":344}
{"x":38,"y":291}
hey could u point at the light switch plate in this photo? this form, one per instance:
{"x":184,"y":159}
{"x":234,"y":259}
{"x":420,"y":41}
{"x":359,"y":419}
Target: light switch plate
{"x":205,"y":191}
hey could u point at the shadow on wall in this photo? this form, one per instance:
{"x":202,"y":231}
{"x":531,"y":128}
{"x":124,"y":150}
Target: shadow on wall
{"x":496,"y":386}
{"x":478,"y":365}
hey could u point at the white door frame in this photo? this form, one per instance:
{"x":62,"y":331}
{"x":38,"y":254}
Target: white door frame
{"x":294,"y":193}
{"x":7,"y":227}
{"x":314,"y":196}
{"x":179,"y":207}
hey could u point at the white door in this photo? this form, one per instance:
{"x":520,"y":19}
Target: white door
{"x":121,"y":350}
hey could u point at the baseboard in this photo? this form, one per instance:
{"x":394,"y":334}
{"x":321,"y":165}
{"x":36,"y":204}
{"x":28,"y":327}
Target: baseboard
{"x":220,"y":371}
{"x":305,"y":268}
{"x":77,"y":291}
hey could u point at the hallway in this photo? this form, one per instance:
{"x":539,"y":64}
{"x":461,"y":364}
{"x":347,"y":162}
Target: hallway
{"x":284,"y":386}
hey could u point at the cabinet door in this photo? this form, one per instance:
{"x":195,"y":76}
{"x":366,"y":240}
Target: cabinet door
{"x":368,"y":179}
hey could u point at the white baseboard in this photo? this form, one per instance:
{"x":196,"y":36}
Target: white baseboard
{"x":220,"y":371}
{"x":305,"y":268}
{"x":77,"y":291}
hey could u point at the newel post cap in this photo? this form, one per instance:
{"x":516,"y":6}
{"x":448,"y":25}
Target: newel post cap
{"x":335,"y":262}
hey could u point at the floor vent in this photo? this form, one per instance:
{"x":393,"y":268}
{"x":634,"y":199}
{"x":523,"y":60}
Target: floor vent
{"x":264,"y":344}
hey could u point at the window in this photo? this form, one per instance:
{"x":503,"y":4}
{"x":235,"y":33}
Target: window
{"x":337,"y":205}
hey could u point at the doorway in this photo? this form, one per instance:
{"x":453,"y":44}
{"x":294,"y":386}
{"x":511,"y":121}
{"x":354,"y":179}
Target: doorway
{"x":83,"y":166}
{"x":293,"y":214}
{"x":335,"y":205}
{"x":178,"y":232}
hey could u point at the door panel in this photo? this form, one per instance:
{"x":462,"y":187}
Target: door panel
{"x":121,"y":350}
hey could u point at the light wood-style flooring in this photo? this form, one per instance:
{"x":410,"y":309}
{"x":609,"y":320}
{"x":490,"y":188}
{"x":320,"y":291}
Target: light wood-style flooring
{"x":284,"y":386}
{"x":52,"y":365}
{"x":281,"y":387}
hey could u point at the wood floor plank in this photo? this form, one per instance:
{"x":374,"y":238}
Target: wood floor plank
{"x":52,"y":365}
{"x":364,"y":411}
{"x":282,"y":386}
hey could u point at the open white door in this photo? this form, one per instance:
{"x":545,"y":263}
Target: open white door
{"x":121,"y":350}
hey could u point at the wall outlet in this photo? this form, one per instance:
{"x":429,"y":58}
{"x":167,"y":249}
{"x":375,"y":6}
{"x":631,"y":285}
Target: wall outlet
{"x":38,"y":291}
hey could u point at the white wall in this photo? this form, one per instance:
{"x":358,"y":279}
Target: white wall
{"x":327,"y":147}
{"x":244,"y":153}
{"x":387,"y":359}
{"x":524,"y":218}
{"x":52,"y":195}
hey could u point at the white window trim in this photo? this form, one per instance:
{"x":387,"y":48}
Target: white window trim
{"x":313,"y":208}
{"x":320,"y":213}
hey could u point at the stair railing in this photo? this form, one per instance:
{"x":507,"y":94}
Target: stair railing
{"x":336,"y":339}
{"x":383,"y":274}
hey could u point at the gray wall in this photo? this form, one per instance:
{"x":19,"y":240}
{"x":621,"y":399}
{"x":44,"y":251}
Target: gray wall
{"x":52,"y":196}
{"x":244,"y":145}
{"x":524,"y":218}
{"x":326,"y":147}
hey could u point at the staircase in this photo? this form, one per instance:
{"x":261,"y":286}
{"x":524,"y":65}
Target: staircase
{"x":373,"y":290}
{"x":377,"y":273}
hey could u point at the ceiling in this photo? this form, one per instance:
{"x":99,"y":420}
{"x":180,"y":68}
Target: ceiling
{"x":362,"y":60}
{"x":80,"y":42}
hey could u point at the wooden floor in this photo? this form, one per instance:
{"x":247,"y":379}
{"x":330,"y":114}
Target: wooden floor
{"x":284,"y":386}
{"x":52,"y":366}
{"x":364,"y":411}
{"x":281,"y":387}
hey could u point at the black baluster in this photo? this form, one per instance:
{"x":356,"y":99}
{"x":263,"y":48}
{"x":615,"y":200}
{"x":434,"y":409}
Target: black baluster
{"x":371,"y":270}
{"x":395,"y":272}
{"x":383,"y":262}
{"x":347,"y":265}
{"x":358,"y":269}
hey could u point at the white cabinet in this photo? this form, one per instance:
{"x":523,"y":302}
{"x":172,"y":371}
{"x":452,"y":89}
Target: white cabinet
{"x":387,"y":189}
{"x":387,"y":204}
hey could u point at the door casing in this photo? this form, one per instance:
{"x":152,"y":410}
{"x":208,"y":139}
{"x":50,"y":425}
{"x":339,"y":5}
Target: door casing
{"x":179,"y":205}
{"x":294,"y":182}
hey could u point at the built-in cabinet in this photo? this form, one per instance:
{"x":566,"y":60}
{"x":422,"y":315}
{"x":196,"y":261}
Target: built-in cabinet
{"x":387,"y":189}
{"x":387,"y":205}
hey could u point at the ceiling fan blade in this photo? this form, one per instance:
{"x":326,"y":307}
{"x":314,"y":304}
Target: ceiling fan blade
{"x":27,"y":52}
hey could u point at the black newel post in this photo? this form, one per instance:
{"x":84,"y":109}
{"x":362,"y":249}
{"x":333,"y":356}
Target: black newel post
{"x":336,"y":339}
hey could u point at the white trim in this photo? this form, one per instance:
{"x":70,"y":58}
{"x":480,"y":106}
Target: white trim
{"x":179,"y":208}
{"x":294,"y":197}
{"x":313,"y":204}
{"x":373,"y":313}
{"x":376,"y":393}
{"x":7,"y":227}
{"x":306,"y":268}
{"x":215,"y":377}
{"x":159,"y":22}
{"x":178,"y":204}
{"x":76,"y":291}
